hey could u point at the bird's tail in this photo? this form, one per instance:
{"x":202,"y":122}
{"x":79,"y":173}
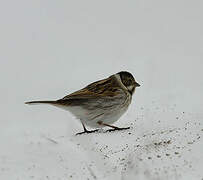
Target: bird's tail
{"x":40,"y":102}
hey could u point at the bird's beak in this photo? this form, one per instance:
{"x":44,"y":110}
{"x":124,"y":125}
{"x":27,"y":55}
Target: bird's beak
{"x":137,"y":85}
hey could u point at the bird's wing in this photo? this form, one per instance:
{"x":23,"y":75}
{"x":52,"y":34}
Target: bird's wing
{"x":106,"y":88}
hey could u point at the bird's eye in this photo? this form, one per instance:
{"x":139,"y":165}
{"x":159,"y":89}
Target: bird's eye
{"x":130,"y":81}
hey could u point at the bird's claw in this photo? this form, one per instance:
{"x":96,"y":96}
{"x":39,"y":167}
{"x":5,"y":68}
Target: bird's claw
{"x":117,"y":129}
{"x":87,"y":132}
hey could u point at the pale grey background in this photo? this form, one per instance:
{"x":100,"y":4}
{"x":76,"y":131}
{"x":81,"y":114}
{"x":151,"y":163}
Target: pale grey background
{"x":52,"y":48}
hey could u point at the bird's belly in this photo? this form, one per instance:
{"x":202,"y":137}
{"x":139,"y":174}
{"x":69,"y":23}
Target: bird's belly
{"x":91,"y":116}
{"x":107,"y":116}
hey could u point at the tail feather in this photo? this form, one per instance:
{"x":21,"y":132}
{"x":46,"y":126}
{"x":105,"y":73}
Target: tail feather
{"x":41,"y":102}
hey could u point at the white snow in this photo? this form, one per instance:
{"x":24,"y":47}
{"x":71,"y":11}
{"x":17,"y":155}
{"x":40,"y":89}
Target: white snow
{"x":52,"y":48}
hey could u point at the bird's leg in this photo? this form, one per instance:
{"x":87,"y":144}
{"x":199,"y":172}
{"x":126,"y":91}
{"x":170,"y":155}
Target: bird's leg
{"x":86,"y":131}
{"x":114,"y":127}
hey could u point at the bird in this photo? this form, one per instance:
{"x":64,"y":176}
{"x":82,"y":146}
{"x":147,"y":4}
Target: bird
{"x":99,"y":104}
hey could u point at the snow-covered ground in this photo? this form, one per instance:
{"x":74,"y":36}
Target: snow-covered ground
{"x":52,"y":48}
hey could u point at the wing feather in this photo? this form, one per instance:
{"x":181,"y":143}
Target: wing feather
{"x":103,"y":89}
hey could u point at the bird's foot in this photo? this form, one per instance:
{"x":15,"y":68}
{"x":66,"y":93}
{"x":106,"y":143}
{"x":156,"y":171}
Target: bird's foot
{"x":117,"y":129}
{"x":96,"y":130}
{"x":87,"y":131}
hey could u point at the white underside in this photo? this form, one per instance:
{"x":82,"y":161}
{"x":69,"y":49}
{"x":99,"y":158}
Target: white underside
{"x":91,"y":119}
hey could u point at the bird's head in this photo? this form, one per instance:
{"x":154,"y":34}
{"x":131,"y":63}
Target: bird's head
{"x":128,"y":81}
